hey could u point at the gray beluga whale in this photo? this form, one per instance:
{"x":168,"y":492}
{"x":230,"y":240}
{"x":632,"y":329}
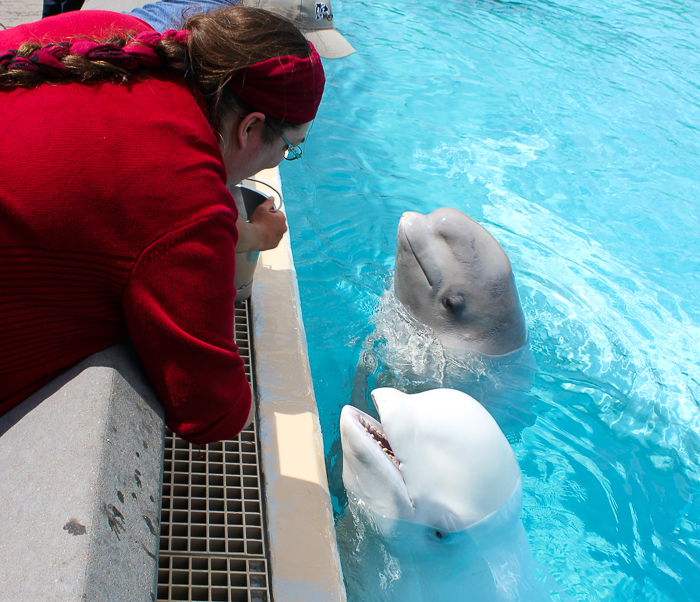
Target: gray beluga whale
{"x":438,"y":492}
{"x":452,"y":319}
{"x":454,"y":277}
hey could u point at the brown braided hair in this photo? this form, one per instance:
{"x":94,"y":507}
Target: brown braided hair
{"x":209,"y":49}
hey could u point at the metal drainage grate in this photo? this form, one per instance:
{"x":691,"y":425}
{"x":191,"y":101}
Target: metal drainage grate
{"x":212,"y":544}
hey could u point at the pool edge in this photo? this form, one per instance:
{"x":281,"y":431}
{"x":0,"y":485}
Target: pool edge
{"x":304,"y":560}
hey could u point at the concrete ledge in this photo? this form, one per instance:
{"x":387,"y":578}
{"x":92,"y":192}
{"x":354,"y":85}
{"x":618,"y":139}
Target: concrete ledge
{"x":81,"y":473}
{"x":304,"y":561}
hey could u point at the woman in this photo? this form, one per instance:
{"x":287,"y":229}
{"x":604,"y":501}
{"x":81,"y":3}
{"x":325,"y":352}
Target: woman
{"x":115,"y":218}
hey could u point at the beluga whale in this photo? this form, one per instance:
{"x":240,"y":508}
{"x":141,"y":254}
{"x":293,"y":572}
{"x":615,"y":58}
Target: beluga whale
{"x":455,"y":278}
{"x":452,"y":319}
{"x":436,"y":495}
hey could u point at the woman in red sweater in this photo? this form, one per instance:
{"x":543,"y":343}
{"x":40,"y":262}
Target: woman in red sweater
{"x":117,"y":144}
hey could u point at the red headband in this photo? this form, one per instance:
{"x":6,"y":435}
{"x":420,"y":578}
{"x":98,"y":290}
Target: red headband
{"x":286,"y":87}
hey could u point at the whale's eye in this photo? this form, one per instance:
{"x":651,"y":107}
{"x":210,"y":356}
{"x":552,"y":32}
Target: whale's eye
{"x":439,"y":535}
{"x":453,"y":302}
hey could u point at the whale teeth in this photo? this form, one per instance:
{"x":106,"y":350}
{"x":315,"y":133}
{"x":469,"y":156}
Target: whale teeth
{"x":380,"y":438}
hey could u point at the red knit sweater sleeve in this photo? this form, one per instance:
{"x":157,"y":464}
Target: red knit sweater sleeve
{"x":178,"y":306}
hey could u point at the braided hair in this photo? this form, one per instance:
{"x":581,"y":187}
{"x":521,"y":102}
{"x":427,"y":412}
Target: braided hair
{"x":206,"y":52}
{"x":33,"y":64}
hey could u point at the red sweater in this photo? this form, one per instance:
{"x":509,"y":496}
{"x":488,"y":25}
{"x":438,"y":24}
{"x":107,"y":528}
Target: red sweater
{"x":115,"y":219}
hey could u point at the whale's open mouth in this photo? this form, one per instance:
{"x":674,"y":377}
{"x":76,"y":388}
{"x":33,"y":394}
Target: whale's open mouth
{"x":374,"y":431}
{"x":371,"y":470}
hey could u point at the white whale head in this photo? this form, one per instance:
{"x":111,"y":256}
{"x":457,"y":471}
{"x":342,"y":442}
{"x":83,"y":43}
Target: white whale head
{"x":437,"y":458}
{"x":454,"y":277}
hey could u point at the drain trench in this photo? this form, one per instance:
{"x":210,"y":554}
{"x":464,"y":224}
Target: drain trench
{"x":212,"y":542}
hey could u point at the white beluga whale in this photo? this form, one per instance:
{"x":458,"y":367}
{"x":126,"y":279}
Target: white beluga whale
{"x":435,"y":490}
{"x":455,"y":278}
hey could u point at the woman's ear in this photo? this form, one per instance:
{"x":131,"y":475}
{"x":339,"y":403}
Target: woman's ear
{"x":249,"y":126}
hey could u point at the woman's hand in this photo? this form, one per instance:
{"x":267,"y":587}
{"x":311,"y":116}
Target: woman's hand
{"x":264,"y":230}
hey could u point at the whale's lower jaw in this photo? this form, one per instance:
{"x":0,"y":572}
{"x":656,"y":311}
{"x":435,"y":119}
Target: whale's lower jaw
{"x":371,"y":471}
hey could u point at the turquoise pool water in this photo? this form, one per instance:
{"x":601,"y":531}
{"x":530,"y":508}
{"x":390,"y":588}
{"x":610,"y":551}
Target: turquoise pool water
{"x":571,"y":130}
